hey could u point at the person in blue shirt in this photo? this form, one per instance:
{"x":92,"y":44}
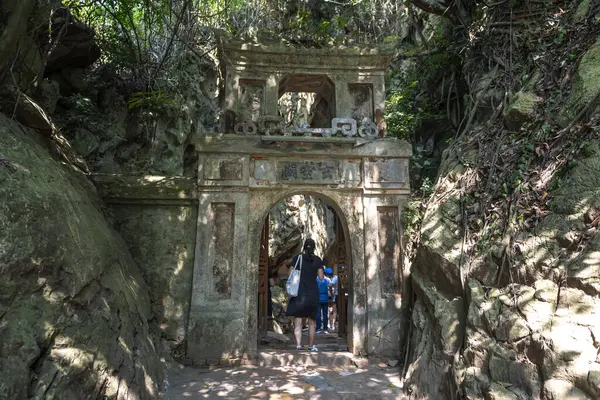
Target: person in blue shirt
{"x":324,"y":283}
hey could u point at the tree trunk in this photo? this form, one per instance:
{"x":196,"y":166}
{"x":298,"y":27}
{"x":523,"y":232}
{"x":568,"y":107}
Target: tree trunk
{"x":15,"y":27}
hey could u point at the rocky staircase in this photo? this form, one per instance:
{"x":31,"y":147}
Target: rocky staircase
{"x":328,"y":359}
{"x":280,"y":351}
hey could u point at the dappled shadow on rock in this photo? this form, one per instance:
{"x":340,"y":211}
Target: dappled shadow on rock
{"x":74,"y":308}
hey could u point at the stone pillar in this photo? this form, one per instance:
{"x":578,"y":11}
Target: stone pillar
{"x":217,"y":327}
{"x":379,"y":92}
{"x":386,"y":183}
{"x":352,"y":207}
{"x":343,"y":107}
{"x":383,"y":250}
{"x":217,"y":323}
{"x":271,"y":95}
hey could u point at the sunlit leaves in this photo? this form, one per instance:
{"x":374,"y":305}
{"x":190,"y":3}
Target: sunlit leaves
{"x":153,"y":99}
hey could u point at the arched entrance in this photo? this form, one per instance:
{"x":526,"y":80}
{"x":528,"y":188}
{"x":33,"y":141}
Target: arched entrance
{"x":240,"y":179}
{"x":330,"y":234}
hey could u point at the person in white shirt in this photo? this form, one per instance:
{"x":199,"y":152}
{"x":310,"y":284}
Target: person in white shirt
{"x":333,"y":293}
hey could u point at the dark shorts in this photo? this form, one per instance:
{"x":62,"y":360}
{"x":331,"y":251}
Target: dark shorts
{"x":303,"y":307}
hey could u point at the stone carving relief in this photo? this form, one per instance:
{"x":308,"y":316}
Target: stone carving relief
{"x":368,"y":129}
{"x":346,"y":126}
{"x":274,"y":125}
{"x":251,"y":99}
{"x":362,"y":98}
{"x":245,"y":127}
{"x":309,"y":171}
{"x":271,"y":125}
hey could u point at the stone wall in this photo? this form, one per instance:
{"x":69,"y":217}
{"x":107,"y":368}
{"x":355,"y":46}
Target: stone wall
{"x":162,"y":239}
{"x":157,"y":217}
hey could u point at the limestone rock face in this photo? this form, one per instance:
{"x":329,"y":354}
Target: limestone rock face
{"x":582,"y":10}
{"x":532,"y":340}
{"x":296,"y":218}
{"x":520,"y":110}
{"x":586,"y":83}
{"x":76,"y":47}
{"x":74,"y":310}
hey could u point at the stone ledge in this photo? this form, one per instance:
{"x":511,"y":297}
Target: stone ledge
{"x":149,"y":189}
{"x":255,"y":145}
{"x":328,"y":359}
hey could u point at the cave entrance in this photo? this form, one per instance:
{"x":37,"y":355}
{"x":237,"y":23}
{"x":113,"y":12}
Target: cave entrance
{"x":288,"y":224}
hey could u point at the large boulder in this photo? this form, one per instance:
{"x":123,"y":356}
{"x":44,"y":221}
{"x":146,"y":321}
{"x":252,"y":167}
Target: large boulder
{"x":520,"y":110}
{"x":586,"y":83}
{"x":74,"y":310}
{"x":76,"y":46}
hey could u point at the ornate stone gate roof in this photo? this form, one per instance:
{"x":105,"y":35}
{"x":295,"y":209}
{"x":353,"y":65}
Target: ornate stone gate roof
{"x":344,"y":85}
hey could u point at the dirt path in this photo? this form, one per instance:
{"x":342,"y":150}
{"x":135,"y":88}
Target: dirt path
{"x":377,"y":381}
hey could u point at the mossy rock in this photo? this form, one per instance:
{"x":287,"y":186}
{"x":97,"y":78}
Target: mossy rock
{"x":586,"y":84}
{"x":581,"y":11}
{"x":74,"y":306}
{"x":520,"y":110}
{"x":581,"y":188}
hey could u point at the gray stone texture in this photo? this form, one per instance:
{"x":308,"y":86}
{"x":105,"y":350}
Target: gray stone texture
{"x":535,"y":340}
{"x":161,"y":239}
{"x":76,"y":319}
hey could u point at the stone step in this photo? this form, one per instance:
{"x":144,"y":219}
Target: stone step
{"x":321,"y":358}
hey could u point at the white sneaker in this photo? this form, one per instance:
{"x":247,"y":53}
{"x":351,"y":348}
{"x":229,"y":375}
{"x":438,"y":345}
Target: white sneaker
{"x":314,"y":348}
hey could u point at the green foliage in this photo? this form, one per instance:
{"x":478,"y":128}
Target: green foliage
{"x":405,"y":109}
{"x":155,"y":99}
{"x":400,"y":114}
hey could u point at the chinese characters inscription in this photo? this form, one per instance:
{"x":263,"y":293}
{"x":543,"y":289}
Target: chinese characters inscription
{"x":326,"y":171}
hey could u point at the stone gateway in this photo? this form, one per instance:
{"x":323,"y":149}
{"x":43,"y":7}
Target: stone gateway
{"x":256,"y":161}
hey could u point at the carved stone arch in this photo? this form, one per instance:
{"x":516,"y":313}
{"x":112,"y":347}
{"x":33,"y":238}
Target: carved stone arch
{"x":240,"y":178}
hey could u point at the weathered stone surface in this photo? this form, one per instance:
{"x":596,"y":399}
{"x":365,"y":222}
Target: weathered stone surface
{"x":161,"y":239}
{"x":520,"y":373}
{"x":582,"y":10}
{"x":47,"y":94}
{"x":438,"y":257}
{"x":586,"y":83}
{"x":30,"y":114}
{"x":428,"y":376}
{"x":555,"y":389}
{"x":76,"y":47}
{"x":520,"y":109}
{"x":74,"y":306}
{"x":585,"y":274}
{"x":544,"y":331}
{"x":546,"y":290}
{"x":449,"y":314}
{"x":499,"y":392}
